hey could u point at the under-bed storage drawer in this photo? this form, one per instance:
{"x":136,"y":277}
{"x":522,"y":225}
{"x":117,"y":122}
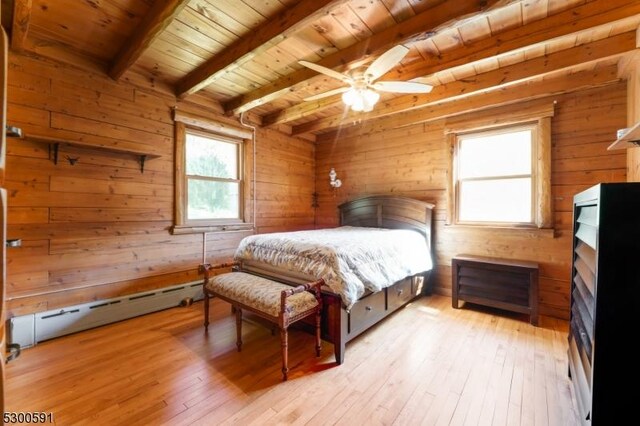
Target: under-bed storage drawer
{"x":366,"y":312}
{"x":400,"y":293}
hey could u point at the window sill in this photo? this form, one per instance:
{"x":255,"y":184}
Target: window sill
{"x":201,"y":229}
{"x":533,"y":231}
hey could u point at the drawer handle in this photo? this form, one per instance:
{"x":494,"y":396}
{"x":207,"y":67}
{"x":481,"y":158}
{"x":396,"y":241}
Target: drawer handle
{"x":400,"y":291}
{"x":368,"y":308}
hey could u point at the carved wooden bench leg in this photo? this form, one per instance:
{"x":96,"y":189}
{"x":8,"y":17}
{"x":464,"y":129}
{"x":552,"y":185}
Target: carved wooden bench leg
{"x":318,"y":342}
{"x":284,"y":338}
{"x":239,"y":328}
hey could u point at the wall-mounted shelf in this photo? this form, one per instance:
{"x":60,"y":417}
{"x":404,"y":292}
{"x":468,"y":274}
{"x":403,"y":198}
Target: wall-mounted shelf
{"x":629,"y":139}
{"x":54,"y":147}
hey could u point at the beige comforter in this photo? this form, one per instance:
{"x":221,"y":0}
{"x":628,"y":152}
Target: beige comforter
{"x":350,"y":259}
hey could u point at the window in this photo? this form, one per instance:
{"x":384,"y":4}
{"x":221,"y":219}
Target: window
{"x":495,"y":174}
{"x":213,"y":180}
{"x":500,"y":167}
{"x":210,"y":182}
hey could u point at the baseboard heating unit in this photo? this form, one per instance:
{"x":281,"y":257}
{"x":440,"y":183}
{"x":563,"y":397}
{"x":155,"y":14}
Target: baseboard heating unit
{"x":28,"y":330}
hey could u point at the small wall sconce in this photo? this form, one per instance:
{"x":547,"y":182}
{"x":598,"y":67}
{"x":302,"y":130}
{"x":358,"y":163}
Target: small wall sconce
{"x":333,"y":179}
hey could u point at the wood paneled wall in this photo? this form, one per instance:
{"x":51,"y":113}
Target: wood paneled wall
{"x":412,"y":162}
{"x":629,"y":68}
{"x":100,"y":228}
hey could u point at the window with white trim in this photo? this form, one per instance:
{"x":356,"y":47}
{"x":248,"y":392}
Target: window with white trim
{"x":496,"y":176}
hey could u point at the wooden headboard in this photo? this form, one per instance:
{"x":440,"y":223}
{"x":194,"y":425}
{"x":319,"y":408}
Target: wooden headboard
{"x":383,"y":211}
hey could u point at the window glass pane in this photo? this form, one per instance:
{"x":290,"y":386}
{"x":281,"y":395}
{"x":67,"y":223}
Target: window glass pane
{"x":211,"y":157}
{"x":501,"y":154}
{"x":213,"y":200}
{"x":500,"y":200}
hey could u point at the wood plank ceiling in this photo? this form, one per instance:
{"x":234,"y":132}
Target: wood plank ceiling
{"x":245,"y":53}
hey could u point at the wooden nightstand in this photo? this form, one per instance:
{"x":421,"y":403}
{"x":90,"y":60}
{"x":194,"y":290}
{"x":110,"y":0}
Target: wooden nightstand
{"x":501,"y":283}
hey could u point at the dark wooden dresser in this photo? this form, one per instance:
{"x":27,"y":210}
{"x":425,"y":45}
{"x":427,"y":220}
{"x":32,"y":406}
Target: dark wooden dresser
{"x":505,"y":284}
{"x":605,"y":302}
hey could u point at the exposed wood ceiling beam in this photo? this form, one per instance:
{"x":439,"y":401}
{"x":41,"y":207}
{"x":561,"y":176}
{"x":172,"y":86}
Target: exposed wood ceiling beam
{"x":584,"y":17}
{"x":415,"y":28}
{"x":20,"y":25}
{"x":267,"y":35}
{"x":570,"y":21}
{"x":301,"y":110}
{"x":504,"y":96}
{"x":155,"y":21}
{"x":501,"y":77}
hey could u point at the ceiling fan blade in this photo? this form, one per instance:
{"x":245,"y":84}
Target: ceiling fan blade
{"x":402,"y":87}
{"x":327,"y":94}
{"x":327,"y":71}
{"x":386,"y":61}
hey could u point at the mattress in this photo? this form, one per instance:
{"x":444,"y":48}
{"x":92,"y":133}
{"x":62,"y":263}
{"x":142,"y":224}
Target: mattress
{"x":351,"y":260}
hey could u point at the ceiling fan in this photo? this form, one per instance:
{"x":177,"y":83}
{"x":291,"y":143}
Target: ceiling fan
{"x":362,"y":92}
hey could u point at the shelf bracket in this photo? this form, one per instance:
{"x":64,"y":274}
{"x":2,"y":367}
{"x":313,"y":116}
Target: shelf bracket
{"x":142,"y":159}
{"x":54,"y":148}
{"x":53,"y":152}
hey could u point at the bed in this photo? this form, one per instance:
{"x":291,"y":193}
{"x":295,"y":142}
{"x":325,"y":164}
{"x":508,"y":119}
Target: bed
{"x":356,"y":299}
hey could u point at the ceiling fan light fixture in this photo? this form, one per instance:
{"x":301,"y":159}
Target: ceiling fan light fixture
{"x":360,"y":99}
{"x":371,"y":97}
{"x":362,"y":92}
{"x":350,"y":96}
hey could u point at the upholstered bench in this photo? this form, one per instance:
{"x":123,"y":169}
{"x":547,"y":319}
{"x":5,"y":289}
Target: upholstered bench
{"x":276,"y":302}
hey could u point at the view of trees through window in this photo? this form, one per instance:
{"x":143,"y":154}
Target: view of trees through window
{"x":213,"y":181}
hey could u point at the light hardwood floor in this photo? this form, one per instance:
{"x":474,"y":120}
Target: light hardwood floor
{"x":426,"y":364}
